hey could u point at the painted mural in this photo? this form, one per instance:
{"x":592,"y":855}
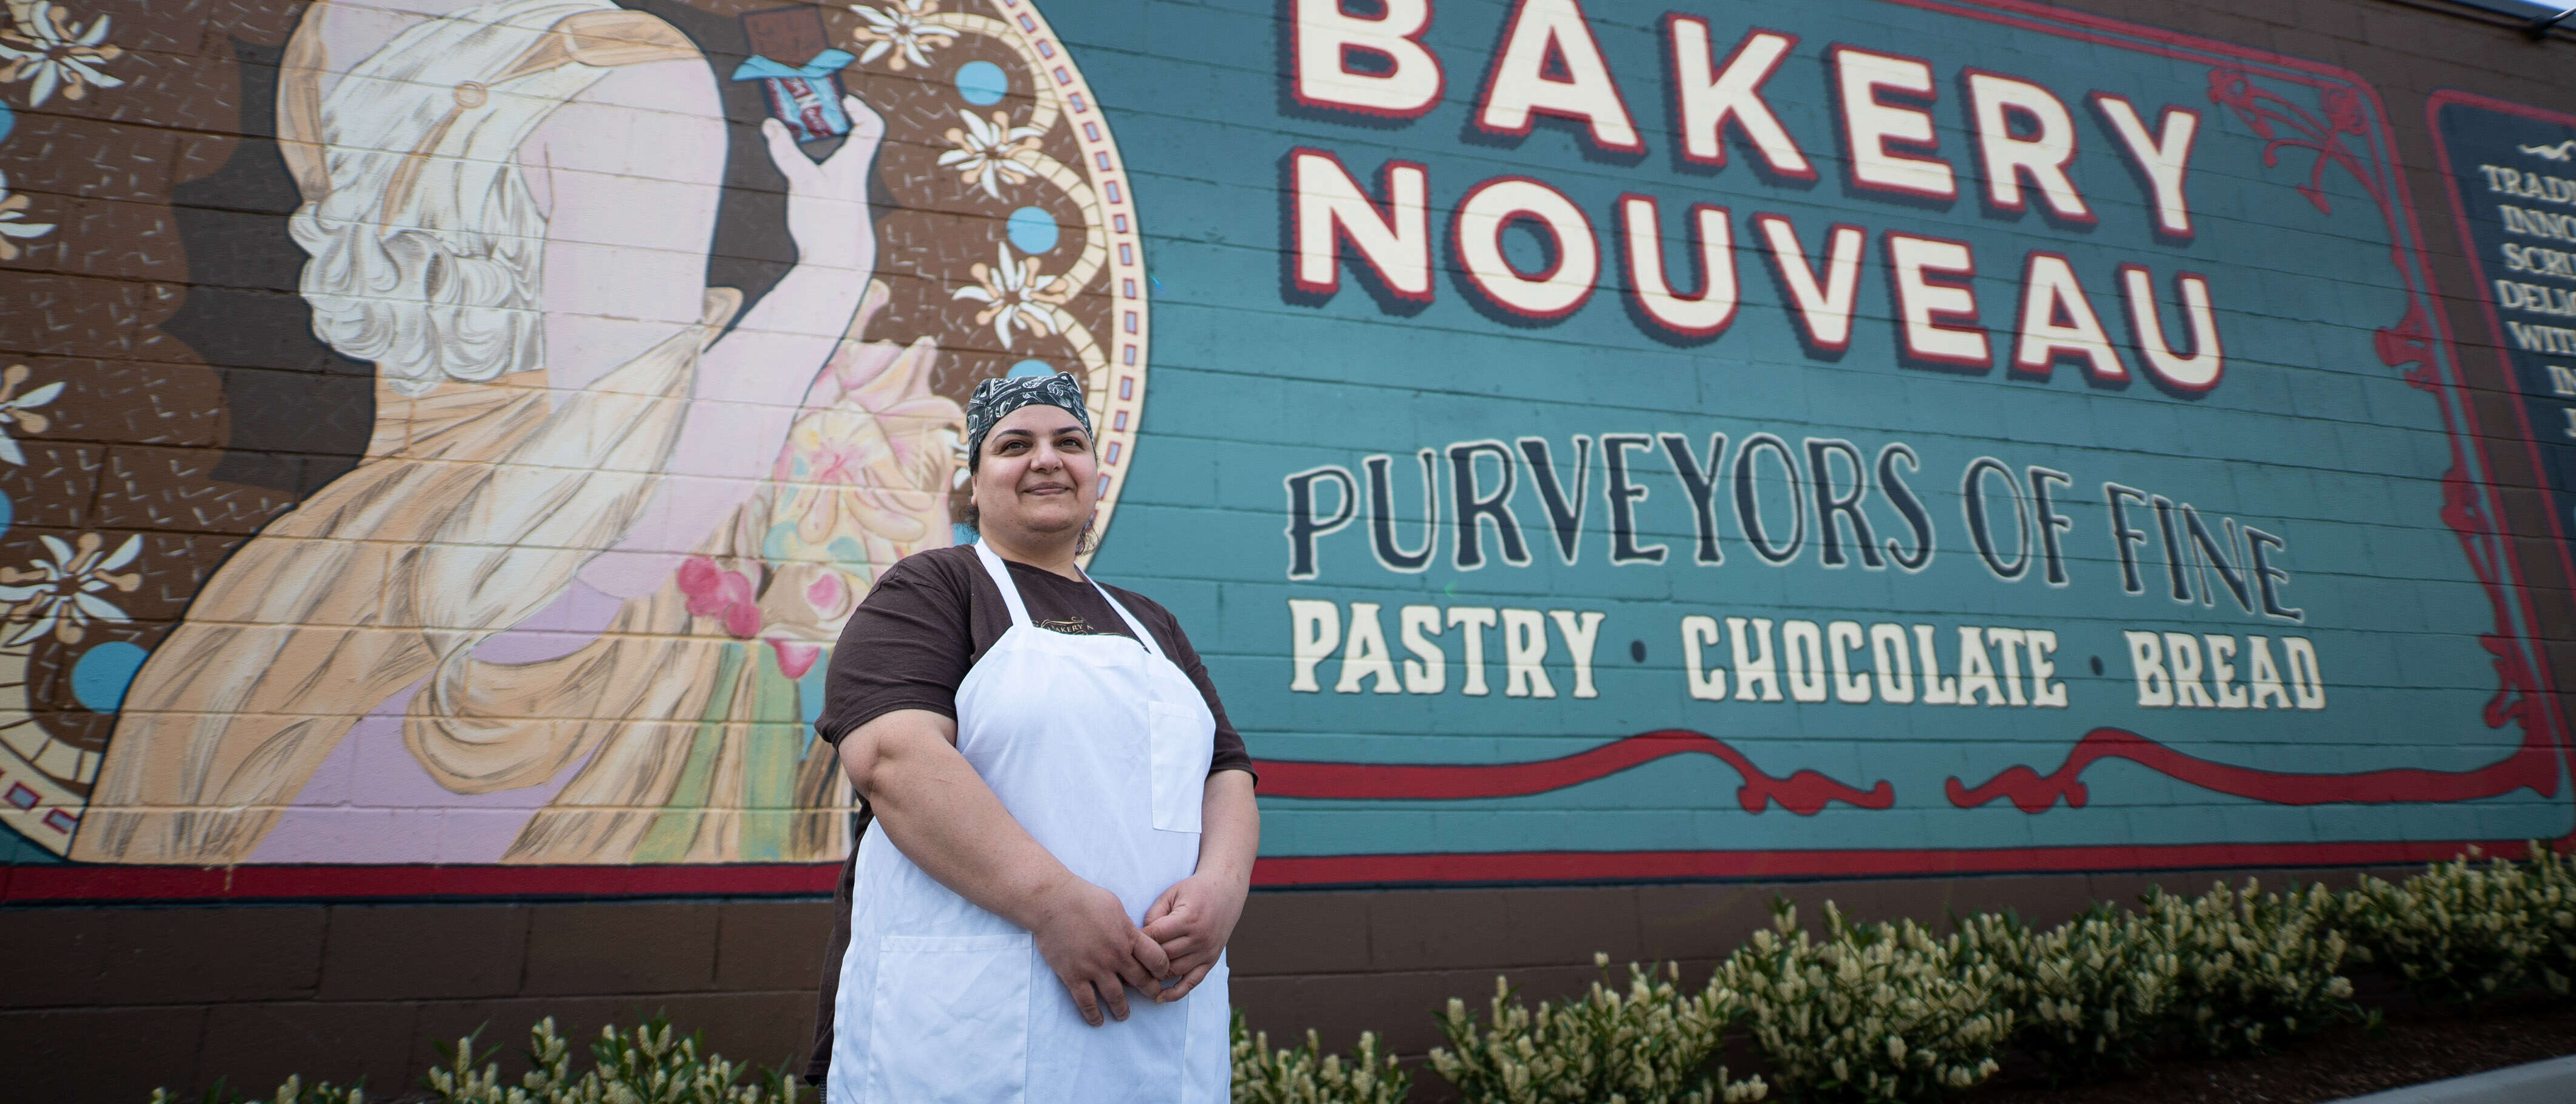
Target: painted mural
{"x":2006,"y":439}
{"x":1708,"y":440}
{"x":566,"y":600}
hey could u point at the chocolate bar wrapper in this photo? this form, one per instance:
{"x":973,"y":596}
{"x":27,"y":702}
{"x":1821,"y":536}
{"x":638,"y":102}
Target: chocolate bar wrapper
{"x":810,"y":106}
{"x":805,"y":97}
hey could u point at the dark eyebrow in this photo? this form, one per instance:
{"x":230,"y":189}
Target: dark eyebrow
{"x":1015,"y":433}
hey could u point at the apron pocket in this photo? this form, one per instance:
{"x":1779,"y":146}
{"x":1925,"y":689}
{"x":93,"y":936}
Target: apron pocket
{"x":1183,"y":740}
{"x":1207,"y":1076}
{"x":950,"y":1019}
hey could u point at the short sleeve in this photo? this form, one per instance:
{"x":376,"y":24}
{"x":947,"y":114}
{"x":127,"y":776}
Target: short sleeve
{"x":907,"y":646}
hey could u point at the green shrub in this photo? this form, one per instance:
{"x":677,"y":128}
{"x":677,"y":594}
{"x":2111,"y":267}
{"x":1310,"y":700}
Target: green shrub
{"x":2555,"y":902}
{"x":292,"y":1091}
{"x":2089,"y":997}
{"x":1307,"y":1075}
{"x":2258,"y":969}
{"x":650,"y":1065}
{"x":1650,"y":1045}
{"x":1879,"y":1012}
{"x":2462,"y":933}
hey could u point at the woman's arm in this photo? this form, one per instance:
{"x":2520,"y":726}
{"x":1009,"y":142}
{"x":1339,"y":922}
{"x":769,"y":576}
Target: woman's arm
{"x":1195,"y":918}
{"x":612,"y":300}
{"x":628,"y":175}
{"x":938,"y":811}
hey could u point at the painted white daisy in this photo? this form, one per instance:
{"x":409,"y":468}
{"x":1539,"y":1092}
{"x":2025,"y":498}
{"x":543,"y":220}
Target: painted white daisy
{"x":1017,"y":294}
{"x":54,"y":53}
{"x":18,"y":411}
{"x":62,"y":593}
{"x":903,"y":31}
{"x":13,"y":224}
{"x":990,"y":154}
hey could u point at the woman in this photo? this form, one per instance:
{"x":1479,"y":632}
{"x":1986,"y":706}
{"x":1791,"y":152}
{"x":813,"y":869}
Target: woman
{"x":1054,"y":789}
{"x":546,"y":617}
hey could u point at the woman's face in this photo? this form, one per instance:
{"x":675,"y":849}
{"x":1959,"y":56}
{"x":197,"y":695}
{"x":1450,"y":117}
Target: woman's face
{"x":1037,"y":475}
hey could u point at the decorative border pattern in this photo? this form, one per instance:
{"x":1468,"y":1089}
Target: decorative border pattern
{"x":33,"y":799}
{"x":1117,"y":390}
{"x":44,"y":782}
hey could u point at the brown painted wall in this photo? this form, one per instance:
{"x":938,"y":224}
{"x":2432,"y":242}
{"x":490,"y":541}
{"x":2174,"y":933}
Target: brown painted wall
{"x":110,"y":1002}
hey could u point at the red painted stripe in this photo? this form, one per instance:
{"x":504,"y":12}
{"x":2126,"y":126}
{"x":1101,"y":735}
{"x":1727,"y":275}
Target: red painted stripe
{"x":2534,"y":767}
{"x":1622,"y":866}
{"x":102,"y":884}
{"x":29,"y":884}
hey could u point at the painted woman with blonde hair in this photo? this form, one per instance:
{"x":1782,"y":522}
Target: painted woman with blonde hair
{"x":607,"y":518}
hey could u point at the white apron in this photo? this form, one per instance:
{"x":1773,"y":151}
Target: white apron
{"x":1099,"y":747}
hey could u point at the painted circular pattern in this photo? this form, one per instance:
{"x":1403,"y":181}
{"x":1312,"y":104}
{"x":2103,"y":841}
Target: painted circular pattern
{"x":1056,"y":202}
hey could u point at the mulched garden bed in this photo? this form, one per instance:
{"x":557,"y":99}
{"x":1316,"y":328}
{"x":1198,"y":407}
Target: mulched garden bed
{"x":2411,"y":1046}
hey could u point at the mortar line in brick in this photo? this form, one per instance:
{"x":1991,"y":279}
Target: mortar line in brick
{"x":1484,"y":972}
{"x":411,"y":1033}
{"x":322,"y":961}
{"x":566,"y":997}
{"x":1368,"y":928}
{"x":715,"y":957}
{"x":527,"y":951}
{"x":197,"y":1053}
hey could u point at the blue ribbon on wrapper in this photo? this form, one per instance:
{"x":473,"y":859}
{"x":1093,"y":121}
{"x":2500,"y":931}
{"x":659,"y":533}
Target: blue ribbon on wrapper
{"x":805,"y":97}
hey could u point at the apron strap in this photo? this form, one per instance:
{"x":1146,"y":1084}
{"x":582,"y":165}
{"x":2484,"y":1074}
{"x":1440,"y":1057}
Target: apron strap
{"x":1138,"y":627}
{"x":1001,"y":574}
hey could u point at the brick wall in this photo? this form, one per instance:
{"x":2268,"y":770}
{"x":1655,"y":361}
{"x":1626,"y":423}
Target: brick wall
{"x":125,"y":999}
{"x":132,"y":998}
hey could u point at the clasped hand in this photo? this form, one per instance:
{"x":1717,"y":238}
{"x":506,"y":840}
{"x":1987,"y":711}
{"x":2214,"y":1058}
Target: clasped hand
{"x":1086,"y":939}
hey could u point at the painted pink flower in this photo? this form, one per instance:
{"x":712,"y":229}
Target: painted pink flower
{"x":726,"y":595}
{"x":795,"y":659}
{"x":827,"y":591}
{"x":837,"y":462}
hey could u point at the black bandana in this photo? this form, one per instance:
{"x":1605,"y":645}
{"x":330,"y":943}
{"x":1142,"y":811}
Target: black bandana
{"x":996,"y":398}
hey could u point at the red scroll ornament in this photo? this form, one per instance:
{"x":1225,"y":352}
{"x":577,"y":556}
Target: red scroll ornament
{"x":1804,"y":792}
{"x":2411,"y":347}
{"x":2534,"y":767}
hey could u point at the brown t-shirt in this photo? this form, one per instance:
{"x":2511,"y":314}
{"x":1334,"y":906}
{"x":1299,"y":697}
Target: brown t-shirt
{"x":910,"y":643}
{"x":934,"y":614}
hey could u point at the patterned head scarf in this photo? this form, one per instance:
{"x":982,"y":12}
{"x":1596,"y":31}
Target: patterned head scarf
{"x":996,"y":398}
